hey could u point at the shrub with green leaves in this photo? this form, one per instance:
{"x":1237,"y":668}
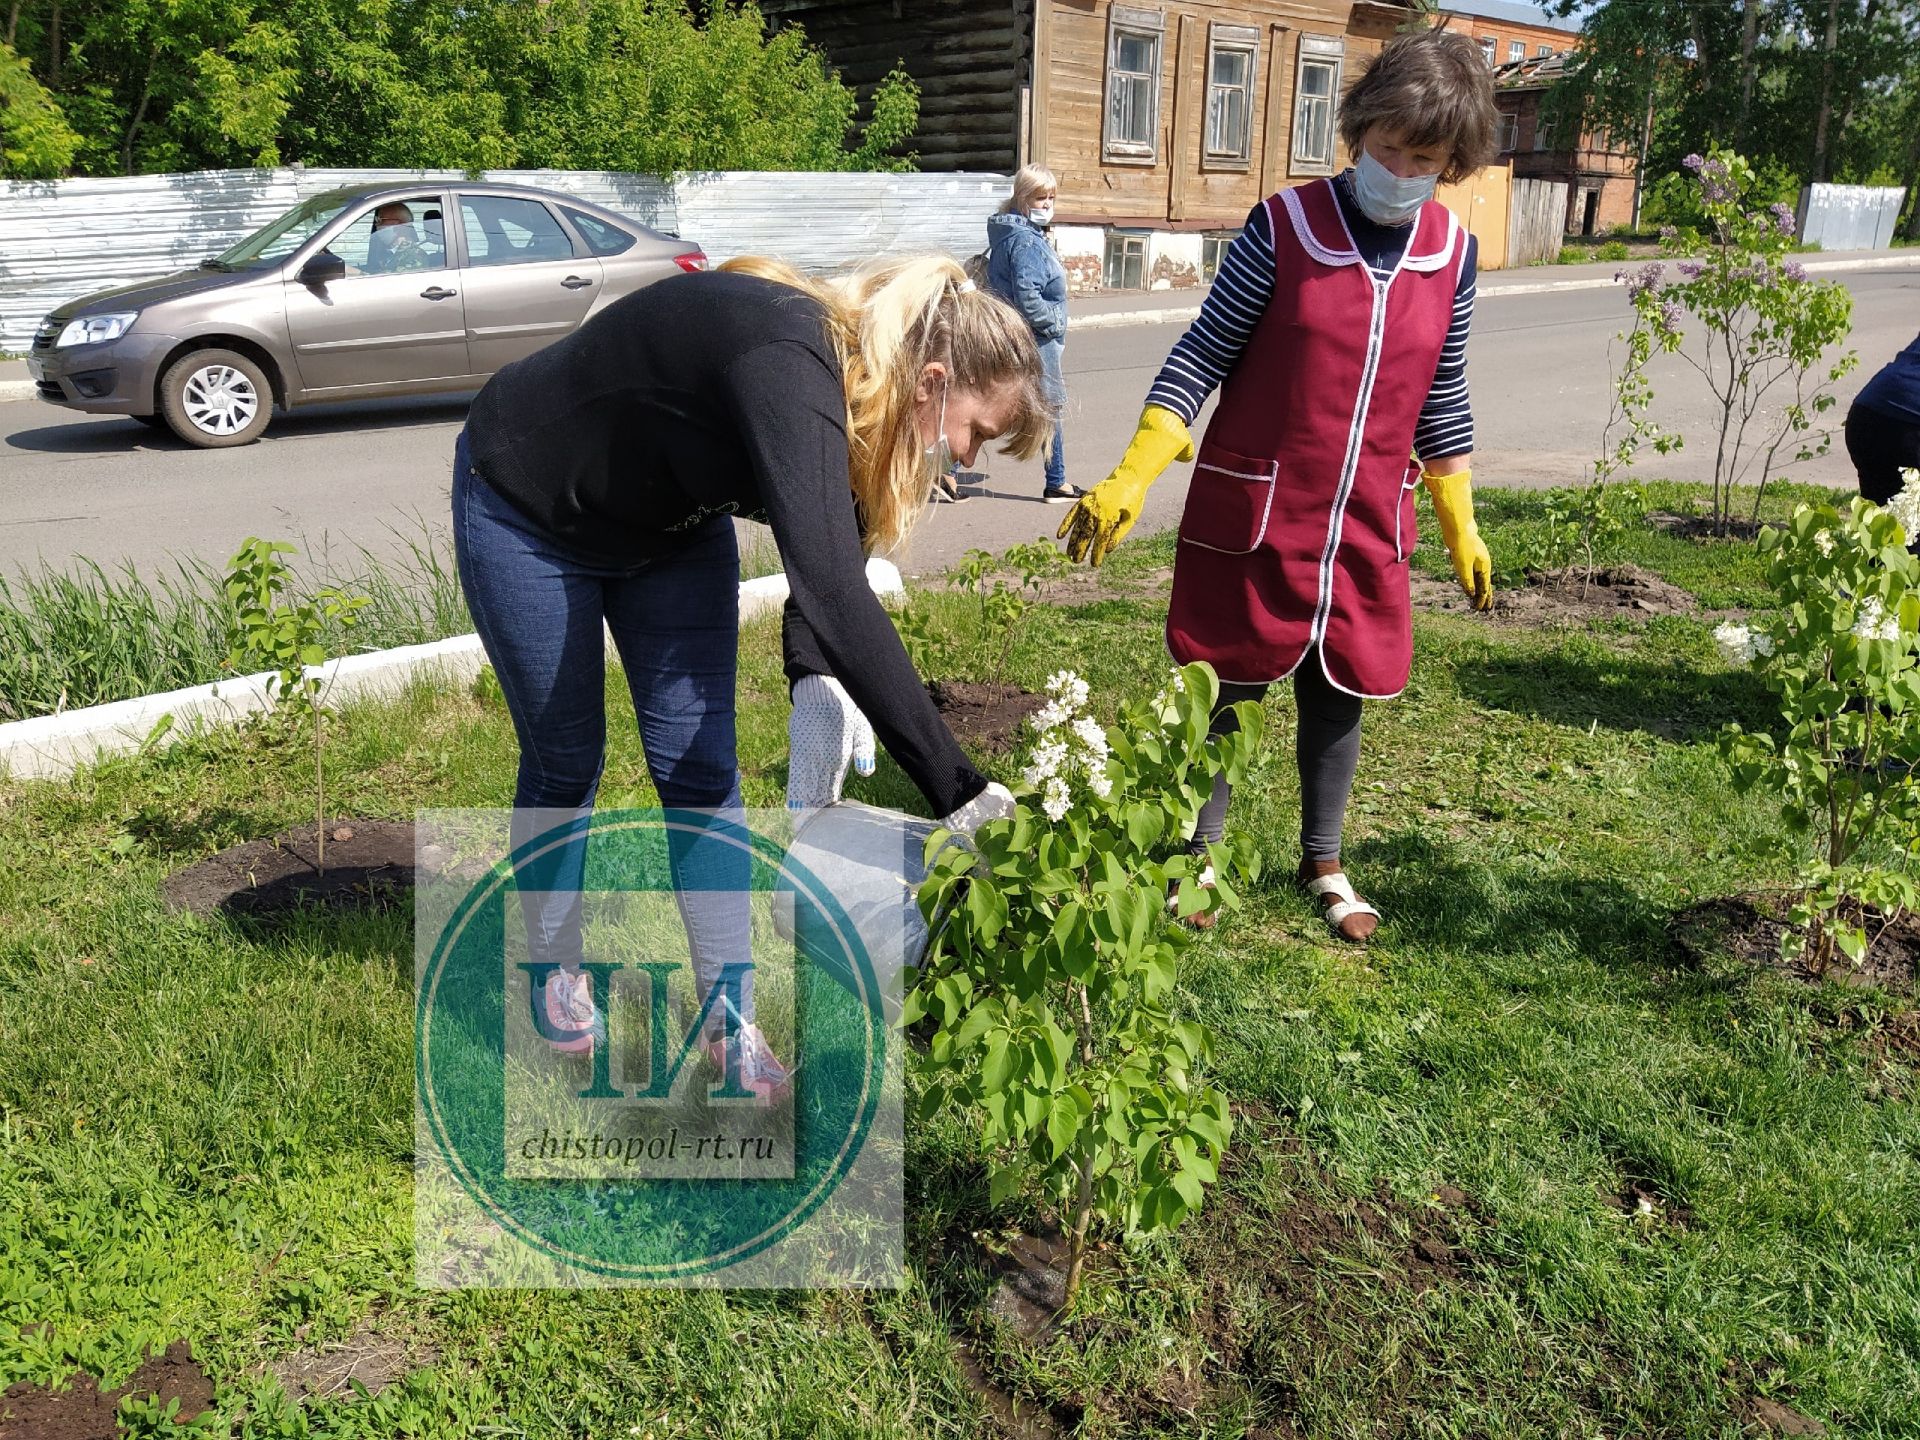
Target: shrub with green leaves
{"x":267,"y":631}
{"x":1052,"y":980}
{"x":1585,"y":524}
{"x":1764,"y":327}
{"x":1843,"y":654}
{"x":1005,"y":587}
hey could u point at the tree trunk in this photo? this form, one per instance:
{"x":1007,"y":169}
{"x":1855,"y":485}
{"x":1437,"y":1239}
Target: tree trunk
{"x":1826,"y":94}
{"x":53,"y":48}
{"x":1750,"y":29}
{"x":1703,"y":65}
{"x":1854,"y":82}
{"x":13,"y":23}
{"x":139,"y":113}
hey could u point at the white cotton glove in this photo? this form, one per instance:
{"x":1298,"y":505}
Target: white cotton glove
{"x":993,"y":803}
{"x":825,"y":733}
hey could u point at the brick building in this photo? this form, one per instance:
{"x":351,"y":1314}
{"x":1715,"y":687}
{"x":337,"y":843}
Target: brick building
{"x":1597,"y":169}
{"x":1508,"y":32}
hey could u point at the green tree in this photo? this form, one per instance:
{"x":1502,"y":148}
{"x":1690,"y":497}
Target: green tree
{"x":148,"y":85}
{"x":35,"y":140}
{"x":1807,"y":89}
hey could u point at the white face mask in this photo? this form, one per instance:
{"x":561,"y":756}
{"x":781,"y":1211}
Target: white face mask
{"x":1041,"y":214}
{"x":1384,"y":197}
{"x":939,"y":455}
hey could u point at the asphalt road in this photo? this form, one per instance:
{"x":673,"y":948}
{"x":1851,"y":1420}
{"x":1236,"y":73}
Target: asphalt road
{"x":373,"y":476}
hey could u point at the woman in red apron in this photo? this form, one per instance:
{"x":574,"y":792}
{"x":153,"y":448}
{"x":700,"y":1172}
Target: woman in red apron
{"x":1336,"y":330}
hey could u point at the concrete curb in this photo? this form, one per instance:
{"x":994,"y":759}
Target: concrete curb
{"x":18,"y":390}
{"x":48,"y":747}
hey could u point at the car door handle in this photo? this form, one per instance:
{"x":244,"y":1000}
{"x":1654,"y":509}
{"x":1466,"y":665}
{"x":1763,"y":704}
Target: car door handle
{"x":574,"y":282}
{"x":434,"y":292}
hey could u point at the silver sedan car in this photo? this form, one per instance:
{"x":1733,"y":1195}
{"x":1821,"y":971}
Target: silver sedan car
{"x":371,"y":290}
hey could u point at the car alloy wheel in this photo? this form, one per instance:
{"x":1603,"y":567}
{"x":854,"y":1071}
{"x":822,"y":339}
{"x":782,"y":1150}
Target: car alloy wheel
{"x":219,"y":400}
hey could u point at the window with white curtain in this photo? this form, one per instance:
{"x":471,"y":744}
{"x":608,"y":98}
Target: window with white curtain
{"x":1134,"y":45}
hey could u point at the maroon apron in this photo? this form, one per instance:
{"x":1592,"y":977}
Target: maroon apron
{"x":1299,"y":519}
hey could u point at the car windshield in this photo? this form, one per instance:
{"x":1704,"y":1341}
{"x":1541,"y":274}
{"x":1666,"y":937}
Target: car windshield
{"x":283,"y":236}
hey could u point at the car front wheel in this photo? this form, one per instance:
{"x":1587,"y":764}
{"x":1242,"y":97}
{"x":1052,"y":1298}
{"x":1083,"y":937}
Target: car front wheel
{"x":216,"y":398}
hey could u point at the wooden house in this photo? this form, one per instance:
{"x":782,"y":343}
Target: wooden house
{"x":1165,"y":121}
{"x":1597,"y":169}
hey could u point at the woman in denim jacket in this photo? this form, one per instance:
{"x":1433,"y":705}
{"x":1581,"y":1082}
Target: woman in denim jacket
{"x":1023,"y":270}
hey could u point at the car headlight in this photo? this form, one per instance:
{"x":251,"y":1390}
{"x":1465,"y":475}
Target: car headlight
{"x":93,"y":329}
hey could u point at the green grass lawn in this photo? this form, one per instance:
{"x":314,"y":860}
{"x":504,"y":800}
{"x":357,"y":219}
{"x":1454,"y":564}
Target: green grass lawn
{"x":1520,"y":1168}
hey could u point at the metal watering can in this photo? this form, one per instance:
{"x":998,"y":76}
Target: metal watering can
{"x":870,"y":862}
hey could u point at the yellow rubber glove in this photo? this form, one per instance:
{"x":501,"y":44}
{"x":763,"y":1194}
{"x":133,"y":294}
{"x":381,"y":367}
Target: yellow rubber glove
{"x":1102,"y":517}
{"x":1453,"y":503}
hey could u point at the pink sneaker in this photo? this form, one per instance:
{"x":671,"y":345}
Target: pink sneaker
{"x":573,"y":1024}
{"x":759,"y":1070}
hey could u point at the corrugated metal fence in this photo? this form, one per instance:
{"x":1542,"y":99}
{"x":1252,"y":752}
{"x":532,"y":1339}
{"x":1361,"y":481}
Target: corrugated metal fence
{"x":1536,"y":221}
{"x":1850,"y":217}
{"x":60,"y":239}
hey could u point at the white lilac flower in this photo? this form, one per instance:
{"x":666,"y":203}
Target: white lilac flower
{"x":1051,"y":716}
{"x":1906,"y":505}
{"x":1099,"y":783}
{"x":1087,"y":730}
{"x":1056,"y":799}
{"x":1045,"y":763}
{"x":1736,"y":642}
{"x":1872,"y":622}
{"x":1067,"y":687}
{"x":1823,"y":540}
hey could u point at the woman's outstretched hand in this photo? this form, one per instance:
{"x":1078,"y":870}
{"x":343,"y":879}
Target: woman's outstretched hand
{"x":1101,"y":518}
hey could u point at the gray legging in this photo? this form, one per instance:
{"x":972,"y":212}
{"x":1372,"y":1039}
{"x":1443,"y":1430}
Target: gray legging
{"x":1327,"y":747}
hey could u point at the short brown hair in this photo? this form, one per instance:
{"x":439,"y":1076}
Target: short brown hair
{"x":1434,"y":87}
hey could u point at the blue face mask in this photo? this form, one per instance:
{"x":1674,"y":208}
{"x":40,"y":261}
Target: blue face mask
{"x":1385,"y":198}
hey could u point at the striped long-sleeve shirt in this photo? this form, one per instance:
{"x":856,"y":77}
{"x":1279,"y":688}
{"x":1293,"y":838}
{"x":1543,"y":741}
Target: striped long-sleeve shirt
{"x":1206,"y":354}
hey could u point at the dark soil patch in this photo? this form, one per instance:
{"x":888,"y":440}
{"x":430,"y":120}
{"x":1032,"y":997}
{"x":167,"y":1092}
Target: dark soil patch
{"x":367,"y":1356}
{"x":1571,"y":596}
{"x":1081,"y":586}
{"x":369,"y":862}
{"x":1770,"y":1417}
{"x":1638,"y":1200}
{"x":1748,"y":929}
{"x":987,"y":717}
{"x":1280,"y":1316}
{"x":1700,"y":527}
{"x":81,"y":1410}
{"x":1011,"y":1419}
{"x":1281,"y":1299}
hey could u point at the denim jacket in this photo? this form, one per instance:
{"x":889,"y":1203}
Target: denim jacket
{"x":1023,"y":270}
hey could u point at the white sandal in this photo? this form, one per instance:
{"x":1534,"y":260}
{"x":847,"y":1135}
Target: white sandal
{"x":1345,"y":902}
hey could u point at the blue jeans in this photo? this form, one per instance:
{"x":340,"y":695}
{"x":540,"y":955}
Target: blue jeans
{"x":1051,"y":353}
{"x":539,"y":609}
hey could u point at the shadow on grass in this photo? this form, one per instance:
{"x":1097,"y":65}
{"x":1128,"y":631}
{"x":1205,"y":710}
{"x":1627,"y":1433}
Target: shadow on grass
{"x":1673,"y":700}
{"x":1437,"y":894}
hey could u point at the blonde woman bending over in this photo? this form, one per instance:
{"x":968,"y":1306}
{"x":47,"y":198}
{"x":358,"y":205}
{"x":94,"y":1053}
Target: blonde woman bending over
{"x":596,"y":483}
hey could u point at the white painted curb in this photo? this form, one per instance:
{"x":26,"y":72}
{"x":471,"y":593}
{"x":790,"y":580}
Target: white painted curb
{"x":50,"y":746}
{"x":18,"y":390}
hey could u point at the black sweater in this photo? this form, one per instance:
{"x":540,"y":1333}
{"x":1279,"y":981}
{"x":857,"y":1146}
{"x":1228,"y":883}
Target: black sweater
{"x":704,"y":395}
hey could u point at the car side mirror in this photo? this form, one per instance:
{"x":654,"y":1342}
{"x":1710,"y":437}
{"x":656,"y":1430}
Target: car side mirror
{"x":323,"y":267}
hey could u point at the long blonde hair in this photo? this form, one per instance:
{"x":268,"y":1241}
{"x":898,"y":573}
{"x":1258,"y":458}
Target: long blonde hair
{"x":887,"y":322}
